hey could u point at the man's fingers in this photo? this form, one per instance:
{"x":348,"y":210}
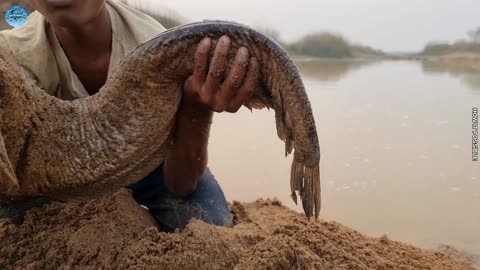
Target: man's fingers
{"x":249,"y":84}
{"x":201,"y":59}
{"x":235,"y":77}
{"x":207,"y":78}
{"x":217,"y":68}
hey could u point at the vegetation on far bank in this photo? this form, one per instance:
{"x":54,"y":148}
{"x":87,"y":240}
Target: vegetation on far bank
{"x":323,"y":45}
{"x":444,"y":48}
{"x":470,"y":45}
{"x":330,"y":45}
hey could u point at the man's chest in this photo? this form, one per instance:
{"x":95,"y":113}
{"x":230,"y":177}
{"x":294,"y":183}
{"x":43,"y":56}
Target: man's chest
{"x":92,"y":72}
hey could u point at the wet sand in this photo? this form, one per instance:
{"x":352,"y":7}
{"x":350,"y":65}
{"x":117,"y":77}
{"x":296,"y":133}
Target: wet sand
{"x":115,"y":233}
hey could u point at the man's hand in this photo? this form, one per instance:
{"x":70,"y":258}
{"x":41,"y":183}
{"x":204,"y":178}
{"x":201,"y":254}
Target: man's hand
{"x":205,"y":85}
{"x":206,"y":92}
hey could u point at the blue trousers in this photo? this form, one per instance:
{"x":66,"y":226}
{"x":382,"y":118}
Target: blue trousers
{"x":206,"y":203}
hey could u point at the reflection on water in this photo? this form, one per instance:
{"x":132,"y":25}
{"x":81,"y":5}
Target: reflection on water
{"x":467,"y":73}
{"x":329,"y":70}
{"x":396,"y":152}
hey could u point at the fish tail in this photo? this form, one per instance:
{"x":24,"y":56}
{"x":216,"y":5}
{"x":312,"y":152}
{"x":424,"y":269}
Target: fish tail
{"x":306,"y":180}
{"x":296,"y":177}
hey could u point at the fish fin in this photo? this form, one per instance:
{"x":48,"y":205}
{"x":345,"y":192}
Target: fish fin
{"x":284,"y":130}
{"x":317,"y":190}
{"x":281,"y":130}
{"x":289,"y":142}
{"x":306,"y":180}
{"x":296,"y":177}
{"x":307,"y":199}
{"x":260,"y":99}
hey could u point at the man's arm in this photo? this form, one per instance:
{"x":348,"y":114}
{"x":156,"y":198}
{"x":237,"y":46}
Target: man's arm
{"x":187,"y":161}
{"x":205,"y":93}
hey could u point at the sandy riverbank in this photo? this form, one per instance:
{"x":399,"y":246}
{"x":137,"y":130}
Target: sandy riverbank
{"x":115,"y":233}
{"x":458,"y":60}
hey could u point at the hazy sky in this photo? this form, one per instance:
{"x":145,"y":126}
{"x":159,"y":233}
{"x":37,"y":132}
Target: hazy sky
{"x":392,"y":25}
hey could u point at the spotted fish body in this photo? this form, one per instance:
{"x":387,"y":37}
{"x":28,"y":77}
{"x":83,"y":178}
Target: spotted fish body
{"x":96,"y":145}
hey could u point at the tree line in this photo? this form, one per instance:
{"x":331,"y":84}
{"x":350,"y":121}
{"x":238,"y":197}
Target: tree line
{"x":470,"y":45}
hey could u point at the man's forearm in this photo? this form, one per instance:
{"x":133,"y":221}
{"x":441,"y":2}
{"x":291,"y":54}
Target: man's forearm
{"x":187,"y":160}
{"x":205,"y":92}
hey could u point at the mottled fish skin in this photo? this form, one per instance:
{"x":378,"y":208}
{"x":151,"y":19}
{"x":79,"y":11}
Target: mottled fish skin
{"x":92,"y":146}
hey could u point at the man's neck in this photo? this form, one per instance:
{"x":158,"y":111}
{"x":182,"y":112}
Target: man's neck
{"x":87,"y":41}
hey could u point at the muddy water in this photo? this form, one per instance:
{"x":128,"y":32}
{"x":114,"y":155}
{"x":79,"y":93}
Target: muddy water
{"x":396,"y":140}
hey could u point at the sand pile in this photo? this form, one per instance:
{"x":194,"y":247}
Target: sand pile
{"x":115,"y":233}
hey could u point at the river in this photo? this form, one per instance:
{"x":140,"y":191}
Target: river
{"x":396,"y":143}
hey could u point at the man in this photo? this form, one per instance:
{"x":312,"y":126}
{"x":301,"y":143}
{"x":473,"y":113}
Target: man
{"x":71,"y":46}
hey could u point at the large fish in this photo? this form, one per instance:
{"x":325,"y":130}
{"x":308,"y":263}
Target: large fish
{"x":95,"y":145}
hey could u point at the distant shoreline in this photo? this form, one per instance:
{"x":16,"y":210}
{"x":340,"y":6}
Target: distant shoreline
{"x":471,"y":60}
{"x":461,"y":59}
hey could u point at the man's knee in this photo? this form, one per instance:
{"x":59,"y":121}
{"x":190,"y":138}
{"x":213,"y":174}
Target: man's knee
{"x":206,"y":203}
